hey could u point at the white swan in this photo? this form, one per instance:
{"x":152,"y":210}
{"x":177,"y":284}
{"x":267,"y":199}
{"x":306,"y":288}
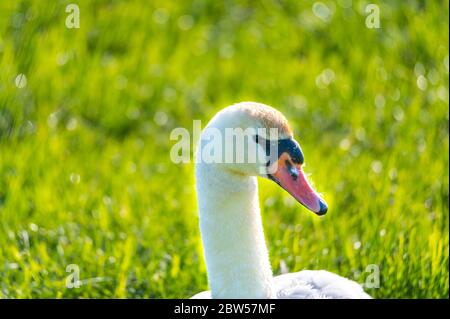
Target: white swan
{"x":230,"y":222}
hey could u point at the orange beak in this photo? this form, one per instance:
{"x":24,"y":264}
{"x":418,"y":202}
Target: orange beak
{"x":291,"y":177}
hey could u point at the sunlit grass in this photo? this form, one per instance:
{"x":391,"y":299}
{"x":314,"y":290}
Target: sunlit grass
{"x":85,"y":173}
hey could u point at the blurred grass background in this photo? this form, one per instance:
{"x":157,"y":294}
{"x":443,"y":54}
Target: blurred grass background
{"x":85,"y":173}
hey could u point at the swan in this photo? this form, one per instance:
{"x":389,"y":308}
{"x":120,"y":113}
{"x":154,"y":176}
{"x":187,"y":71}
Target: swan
{"x":237,"y":260}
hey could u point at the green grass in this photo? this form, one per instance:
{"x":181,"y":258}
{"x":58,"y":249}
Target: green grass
{"x":85,"y":173}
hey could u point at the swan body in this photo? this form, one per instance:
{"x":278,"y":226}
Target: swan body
{"x":231,"y":228}
{"x":310,"y":284}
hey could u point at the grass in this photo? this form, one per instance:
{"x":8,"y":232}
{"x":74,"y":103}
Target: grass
{"x":85,"y":173}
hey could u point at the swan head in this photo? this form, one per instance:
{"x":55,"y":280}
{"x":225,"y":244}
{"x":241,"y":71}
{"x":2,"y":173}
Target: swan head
{"x":254,"y":139}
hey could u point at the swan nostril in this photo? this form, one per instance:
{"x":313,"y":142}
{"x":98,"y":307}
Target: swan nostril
{"x":292,"y":170}
{"x":294,"y":174}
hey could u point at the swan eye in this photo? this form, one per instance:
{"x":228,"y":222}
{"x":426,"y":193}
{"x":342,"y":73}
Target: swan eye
{"x":292,"y":170}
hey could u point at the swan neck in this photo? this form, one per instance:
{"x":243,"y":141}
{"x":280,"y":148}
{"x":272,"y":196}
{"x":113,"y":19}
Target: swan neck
{"x":233,"y":239}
